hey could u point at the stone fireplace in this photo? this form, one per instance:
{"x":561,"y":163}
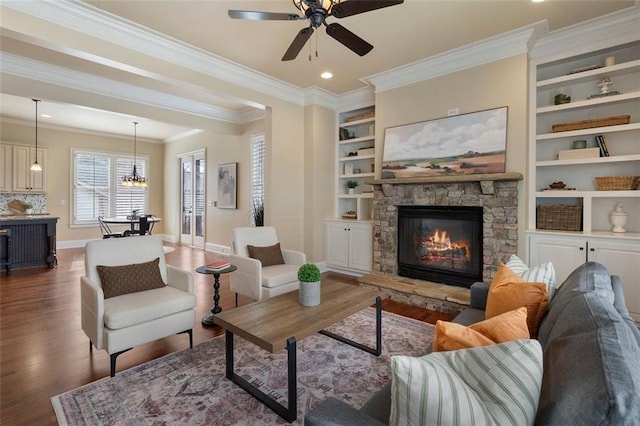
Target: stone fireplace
{"x":497,"y":197}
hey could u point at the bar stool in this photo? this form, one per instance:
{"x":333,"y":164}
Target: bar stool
{"x":5,"y":234}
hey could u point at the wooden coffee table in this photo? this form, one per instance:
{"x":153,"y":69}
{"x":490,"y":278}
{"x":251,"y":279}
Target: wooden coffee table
{"x":277,"y":323}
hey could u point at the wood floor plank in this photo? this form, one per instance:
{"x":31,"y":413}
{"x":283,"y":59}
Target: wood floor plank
{"x":44,"y":352}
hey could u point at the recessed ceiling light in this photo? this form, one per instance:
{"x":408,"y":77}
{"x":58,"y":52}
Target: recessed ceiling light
{"x":326,"y":75}
{"x":537,"y":1}
{"x":45,"y":116}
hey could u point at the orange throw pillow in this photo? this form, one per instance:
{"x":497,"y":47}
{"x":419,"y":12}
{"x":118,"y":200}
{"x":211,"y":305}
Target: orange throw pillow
{"x":508,"y":291}
{"x":511,"y":325}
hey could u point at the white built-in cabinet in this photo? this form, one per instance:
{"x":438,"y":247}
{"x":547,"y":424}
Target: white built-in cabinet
{"x":621,"y":256}
{"x":349,"y":244}
{"x":579,"y":78}
{"x":349,"y":236}
{"x":23,"y":178}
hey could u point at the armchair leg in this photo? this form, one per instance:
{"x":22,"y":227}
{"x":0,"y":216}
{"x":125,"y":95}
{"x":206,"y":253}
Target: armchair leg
{"x":190,"y":331}
{"x":113,"y":360}
{"x":236,"y":300}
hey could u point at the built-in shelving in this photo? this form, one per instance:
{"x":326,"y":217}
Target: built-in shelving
{"x":623,"y":141}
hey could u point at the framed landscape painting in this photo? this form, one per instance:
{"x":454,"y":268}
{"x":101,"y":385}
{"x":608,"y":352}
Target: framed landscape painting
{"x":473,"y":143}
{"x":227,"y":185}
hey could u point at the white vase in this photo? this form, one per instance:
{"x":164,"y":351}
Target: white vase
{"x":309,"y":294}
{"x":351,"y":191}
{"x":618,"y":218}
{"x":28,"y":211}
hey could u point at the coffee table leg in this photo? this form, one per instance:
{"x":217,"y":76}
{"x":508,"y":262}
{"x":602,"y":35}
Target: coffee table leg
{"x":290,"y":412}
{"x":375,"y":351}
{"x":208,"y":319}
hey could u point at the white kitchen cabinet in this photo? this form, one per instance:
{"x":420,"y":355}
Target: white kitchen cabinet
{"x":349,"y":245}
{"x":621,"y":256}
{"x":24,"y":179}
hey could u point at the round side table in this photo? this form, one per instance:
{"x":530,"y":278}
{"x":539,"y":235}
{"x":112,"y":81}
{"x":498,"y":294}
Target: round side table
{"x":208,"y":319}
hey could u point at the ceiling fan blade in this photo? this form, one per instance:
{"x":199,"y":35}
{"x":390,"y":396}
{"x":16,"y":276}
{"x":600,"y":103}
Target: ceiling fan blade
{"x":264,"y":16}
{"x":353,"y":7}
{"x":349,"y":39}
{"x":297,"y":44}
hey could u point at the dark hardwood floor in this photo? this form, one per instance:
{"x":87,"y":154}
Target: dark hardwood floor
{"x":44,"y":352}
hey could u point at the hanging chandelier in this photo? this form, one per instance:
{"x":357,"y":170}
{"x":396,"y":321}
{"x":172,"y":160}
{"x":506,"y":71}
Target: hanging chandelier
{"x":36,"y":166}
{"x":134,"y":179}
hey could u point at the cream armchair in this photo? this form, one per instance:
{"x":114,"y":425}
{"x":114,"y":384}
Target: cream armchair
{"x":252,"y":279}
{"x":120,"y":322}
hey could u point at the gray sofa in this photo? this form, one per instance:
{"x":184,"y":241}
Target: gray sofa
{"x":591,"y":358}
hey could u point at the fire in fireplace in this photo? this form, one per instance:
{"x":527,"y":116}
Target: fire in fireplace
{"x":440,"y":244}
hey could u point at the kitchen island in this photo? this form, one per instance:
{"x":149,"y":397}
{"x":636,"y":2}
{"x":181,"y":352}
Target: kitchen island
{"x":32,"y":242}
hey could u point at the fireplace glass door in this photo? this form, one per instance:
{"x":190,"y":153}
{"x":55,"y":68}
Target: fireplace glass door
{"x":440,"y":244}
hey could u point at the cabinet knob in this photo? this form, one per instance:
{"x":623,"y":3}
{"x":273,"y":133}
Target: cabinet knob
{"x":592,"y":249}
{"x":581,"y":248}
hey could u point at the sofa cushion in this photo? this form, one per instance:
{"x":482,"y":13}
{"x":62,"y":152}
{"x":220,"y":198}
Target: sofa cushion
{"x":505,"y":327}
{"x":489,"y":385}
{"x":135,"y":308}
{"x":124,"y":279}
{"x":269,"y":255}
{"x":508,"y":292}
{"x":591,"y":357}
{"x":544,"y":273}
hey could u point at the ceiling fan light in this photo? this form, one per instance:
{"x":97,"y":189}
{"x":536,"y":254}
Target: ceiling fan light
{"x":302,"y":5}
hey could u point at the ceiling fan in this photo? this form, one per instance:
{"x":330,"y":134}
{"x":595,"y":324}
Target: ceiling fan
{"x":316,"y":12}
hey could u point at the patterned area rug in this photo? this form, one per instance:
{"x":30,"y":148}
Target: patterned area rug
{"x":189,"y":387}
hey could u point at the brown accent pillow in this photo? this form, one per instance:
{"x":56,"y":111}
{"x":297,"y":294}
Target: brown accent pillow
{"x":270,"y":255}
{"x":505,"y":327}
{"x":509,"y":291}
{"x":117,"y":280}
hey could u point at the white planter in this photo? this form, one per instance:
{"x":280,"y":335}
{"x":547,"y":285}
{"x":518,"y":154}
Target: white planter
{"x":28,"y":211}
{"x":309,"y":294}
{"x":351,"y":191}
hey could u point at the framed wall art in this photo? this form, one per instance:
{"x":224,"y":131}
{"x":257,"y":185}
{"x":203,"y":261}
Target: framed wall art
{"x":473,"y":143}
{"x":227,"y":185}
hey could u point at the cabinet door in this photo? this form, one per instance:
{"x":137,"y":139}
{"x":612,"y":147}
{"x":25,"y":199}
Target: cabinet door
{"x":622,"y":259}
{"x":23,"y":178}
{"x":21,"y":165}
{"x":37,"y":179}
{"x":566,"y":254}
{"x":337,"y":244}
{"x":360,"y":246}
{"x":5,"y":165}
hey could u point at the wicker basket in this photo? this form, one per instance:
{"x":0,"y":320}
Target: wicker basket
{"x":588,"y":124}
{"x":617,"y":183}
{"x":561,"y":217}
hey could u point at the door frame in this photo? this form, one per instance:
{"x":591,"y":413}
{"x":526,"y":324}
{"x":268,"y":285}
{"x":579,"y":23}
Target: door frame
{"x":193,"y":156}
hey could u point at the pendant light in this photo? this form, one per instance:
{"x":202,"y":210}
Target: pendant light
{"x":134,"y":179}
{"x":35,"y":166}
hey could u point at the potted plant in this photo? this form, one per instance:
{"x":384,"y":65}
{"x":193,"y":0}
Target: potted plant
{"x":351,"y":184}
{"x":309,"y":277}
{"x":28,"y":208}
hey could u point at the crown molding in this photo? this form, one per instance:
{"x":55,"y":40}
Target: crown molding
{"x":472,"y":55}
{"x":69,"y":129}
{"x":251,"y":114}
{"x":53,"y":74}
{"x":89,"y":20}
{"x":321,"y":97}
{"x":613,"y":29}
{"x":355,"y":99}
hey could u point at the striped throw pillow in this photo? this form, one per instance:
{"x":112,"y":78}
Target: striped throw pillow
{"x":489,"y":385}
{"x":544,"y":273}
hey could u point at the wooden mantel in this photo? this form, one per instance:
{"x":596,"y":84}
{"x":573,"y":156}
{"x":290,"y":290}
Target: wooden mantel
{"x":486,"y":181}
{"x":450,"y":179}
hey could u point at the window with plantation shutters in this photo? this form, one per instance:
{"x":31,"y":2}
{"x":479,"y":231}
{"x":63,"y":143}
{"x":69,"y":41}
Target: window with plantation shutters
{"x":257,"y":172}
{"x":97,"y":188}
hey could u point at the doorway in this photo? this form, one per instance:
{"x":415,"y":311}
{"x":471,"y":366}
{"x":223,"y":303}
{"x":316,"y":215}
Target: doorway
{"x":192,"y":198}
